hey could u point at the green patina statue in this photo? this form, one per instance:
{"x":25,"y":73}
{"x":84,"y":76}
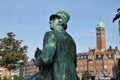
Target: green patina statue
{"x":57,"y":60}
{"x":117,"y":16}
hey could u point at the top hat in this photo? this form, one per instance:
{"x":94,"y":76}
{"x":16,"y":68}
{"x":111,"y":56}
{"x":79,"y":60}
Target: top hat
{"x":63,"y":15}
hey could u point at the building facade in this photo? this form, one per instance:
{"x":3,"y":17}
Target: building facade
{"x":24,"y":71}
{"x":100,"y":62}
{"x":30,"y":69}
{"x":4,"y":72}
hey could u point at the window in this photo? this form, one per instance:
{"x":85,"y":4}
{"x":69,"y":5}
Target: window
{"x":85,"y":57}
{"x":98,"y":29}
{"x":109,"y":56}
{"x":90,"y":57}
{"x":81,"y":57}
{"x":105,"y":66}
{"x":102,"y":29}
{"x":91,"y":67}
{"x":78,"y":57}
{"x":98,"y":35}
{"x":99,"y":56}
{"x":91,"y":61}
{"x":97,"y":67}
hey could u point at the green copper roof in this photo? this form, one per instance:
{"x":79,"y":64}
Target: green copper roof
{"x":100,"y":24}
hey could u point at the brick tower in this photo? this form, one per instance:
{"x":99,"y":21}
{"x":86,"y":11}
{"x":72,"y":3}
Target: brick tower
{"x":100,"y":36}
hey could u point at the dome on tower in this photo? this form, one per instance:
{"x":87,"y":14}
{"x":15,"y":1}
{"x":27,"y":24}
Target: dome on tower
{"x":100,"y":24}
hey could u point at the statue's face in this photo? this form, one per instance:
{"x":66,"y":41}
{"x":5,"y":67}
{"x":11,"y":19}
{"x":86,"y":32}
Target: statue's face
{"x":54,"y":23}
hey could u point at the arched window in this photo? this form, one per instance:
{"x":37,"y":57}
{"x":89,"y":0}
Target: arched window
{"x":90,"y":57}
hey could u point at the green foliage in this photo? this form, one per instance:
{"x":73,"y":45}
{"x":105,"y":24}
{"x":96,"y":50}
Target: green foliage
{"x":86,"y":75}
{"x":18,"y":77}
{"x":12,"y":52}
{"x":5,"y":78}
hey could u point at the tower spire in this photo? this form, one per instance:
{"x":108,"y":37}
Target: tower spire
{"x":100,"y":36}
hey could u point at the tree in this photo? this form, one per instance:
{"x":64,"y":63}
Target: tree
{"x":18,"y":77}
{"x":11,"y":52}
{"x":5,"y":78}
{"x":86,"y":75}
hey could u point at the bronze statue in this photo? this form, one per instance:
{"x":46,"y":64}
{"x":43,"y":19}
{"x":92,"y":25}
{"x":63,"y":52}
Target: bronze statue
{"x":58,"y":57}
{"x":117,"y":16}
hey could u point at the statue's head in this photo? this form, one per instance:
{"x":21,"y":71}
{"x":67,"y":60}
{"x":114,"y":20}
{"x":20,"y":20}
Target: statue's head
{"x":63,"y":15}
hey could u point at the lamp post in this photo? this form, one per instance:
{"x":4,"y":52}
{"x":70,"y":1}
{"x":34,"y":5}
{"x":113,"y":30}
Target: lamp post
{"x":0,"y":57}
{"x":21,"y":68}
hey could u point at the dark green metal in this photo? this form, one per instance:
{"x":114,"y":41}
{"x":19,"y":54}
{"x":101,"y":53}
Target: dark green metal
{"x":57,"y":60}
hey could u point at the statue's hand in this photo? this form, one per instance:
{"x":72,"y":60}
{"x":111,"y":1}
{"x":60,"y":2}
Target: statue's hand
{"x":37,"y":63}
{"x":33,"y":60}
{"x":37,"y":53}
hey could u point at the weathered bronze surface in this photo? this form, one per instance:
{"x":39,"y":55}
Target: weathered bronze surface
{"x":57,"y":60}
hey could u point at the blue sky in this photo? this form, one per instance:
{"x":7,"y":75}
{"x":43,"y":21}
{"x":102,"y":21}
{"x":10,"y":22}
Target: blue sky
{"x":28,"y":19}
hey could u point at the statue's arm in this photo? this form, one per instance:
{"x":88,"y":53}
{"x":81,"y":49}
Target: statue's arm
{"x":49,"y":47}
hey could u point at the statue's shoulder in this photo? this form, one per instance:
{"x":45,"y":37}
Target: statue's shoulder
{"x":50,"y":33}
